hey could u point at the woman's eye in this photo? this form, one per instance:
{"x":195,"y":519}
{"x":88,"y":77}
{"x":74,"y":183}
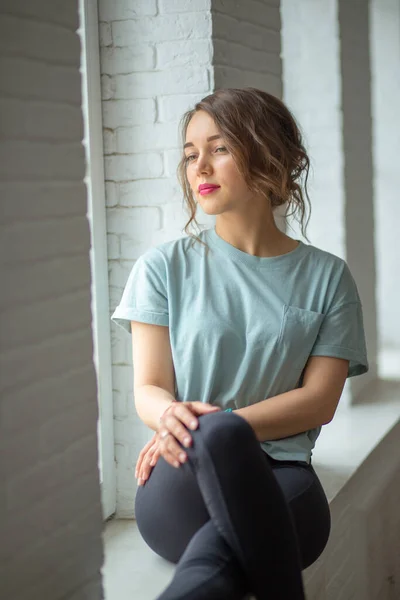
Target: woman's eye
{"x":193,"y":156}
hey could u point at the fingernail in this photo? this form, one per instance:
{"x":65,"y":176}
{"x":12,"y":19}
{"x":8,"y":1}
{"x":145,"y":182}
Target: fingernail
{"x":193,"y":424}
{"x":140,"y":481}
{"x":186,"y":441}
{"x":182,"y":456}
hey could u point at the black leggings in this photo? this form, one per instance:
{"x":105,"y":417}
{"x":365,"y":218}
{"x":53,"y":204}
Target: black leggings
{"x":234,"y":520}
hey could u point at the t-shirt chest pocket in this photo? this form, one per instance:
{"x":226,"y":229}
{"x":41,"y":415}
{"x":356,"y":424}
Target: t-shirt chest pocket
{"x":298,"y":332}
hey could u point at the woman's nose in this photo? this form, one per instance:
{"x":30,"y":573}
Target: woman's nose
{"x":203,"y":165}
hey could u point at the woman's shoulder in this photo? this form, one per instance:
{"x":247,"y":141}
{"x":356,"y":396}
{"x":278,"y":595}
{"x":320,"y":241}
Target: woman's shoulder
{"x":321,"y":255}
{"x":325,"y":261}
{"x":171,"y":251}
{"x":332,"y":273}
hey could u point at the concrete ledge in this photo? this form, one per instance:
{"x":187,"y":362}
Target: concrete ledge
{"x":357,"y":459}
{"x":358,"y":462}
{"x":346,"y":442}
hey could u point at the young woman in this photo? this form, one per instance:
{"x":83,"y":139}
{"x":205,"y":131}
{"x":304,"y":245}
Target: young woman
{"x":242,"y":341}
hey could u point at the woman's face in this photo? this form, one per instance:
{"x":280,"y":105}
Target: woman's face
{"x":208,"y":161}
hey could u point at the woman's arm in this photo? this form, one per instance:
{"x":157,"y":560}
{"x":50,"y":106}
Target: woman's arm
{"x":151,"y":401}
{"x":153,"y":369}
{"x":299,"y":410}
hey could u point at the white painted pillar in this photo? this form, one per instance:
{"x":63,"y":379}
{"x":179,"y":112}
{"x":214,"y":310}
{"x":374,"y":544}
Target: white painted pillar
{"x":326,"y":84}
{"x":358,"y":168}
{"x":311,"y":89}
{"x":385,"y":70}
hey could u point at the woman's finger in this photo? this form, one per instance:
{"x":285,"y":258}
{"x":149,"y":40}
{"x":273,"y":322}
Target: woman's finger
{"x":147,"y":463}
{"x":172,"y":424}
{"x":146,"y":470}
{"x":140,"y":459}
{"x":155,"y":457}
{"x":143,"y":453}
{"x":138,"y":465}
{"x":165,"y":450}
{"x":172,"y":452}
{"x":173,"y":430}
{"x":170,"y":458}
{"x":202,"y":408}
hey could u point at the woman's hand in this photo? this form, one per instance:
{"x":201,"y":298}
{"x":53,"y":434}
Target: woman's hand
{"x":173,"y":429}
{"x":148,"y":457}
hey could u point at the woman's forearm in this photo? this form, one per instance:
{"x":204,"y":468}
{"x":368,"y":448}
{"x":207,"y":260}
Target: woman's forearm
{"x":307,"y":407}
{"x":151,"y":401}
{"x":285,"y":415}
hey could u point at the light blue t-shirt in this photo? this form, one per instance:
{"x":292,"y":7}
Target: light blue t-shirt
{"x":242,"y":327}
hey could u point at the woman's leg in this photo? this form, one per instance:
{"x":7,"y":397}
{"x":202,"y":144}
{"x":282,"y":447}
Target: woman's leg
{"x":308,"y":506}
{"x":252,"y":529}
{"x":207,"y":570}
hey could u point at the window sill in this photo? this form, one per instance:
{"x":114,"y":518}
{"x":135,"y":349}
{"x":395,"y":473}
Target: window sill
{"x":345,"y":443}
{"x":133,"y":570}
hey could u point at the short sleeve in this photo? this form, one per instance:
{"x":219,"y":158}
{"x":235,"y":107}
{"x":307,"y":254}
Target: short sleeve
{"x":342,"y":331}
{"x":145,"y":295}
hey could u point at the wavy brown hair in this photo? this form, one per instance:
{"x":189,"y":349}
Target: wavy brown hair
{"x":266,"y":143}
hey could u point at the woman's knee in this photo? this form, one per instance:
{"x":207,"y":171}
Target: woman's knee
{"x":225,"y":430}
{"x":169,"y":509}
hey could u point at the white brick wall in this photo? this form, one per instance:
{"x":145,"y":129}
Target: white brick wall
{"x":247,"y":45}
{"x":156,"y":62}
{"x":50,"y":513}
{"x":177,"y":52}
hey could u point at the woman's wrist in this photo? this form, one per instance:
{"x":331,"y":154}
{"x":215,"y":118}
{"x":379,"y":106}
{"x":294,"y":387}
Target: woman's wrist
{"x":227,"y":410}
{"x":150,"y":402}
{"x":167,"y":409}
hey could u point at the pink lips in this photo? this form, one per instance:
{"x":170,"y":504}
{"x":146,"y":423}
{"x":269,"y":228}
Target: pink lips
{"x":207,"y":189}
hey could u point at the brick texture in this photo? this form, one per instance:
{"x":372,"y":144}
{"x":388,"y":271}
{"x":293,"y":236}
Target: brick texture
{"x":155,"y":65}
{"x":247,"y":44}
{"x":50,"y":512}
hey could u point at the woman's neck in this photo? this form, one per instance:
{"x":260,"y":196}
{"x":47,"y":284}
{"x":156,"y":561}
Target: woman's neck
{"x":261,"y":239}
